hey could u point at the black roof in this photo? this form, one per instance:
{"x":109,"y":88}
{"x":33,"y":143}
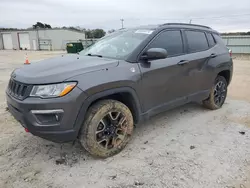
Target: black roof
{"x":186,"y":24}
{"x":177,"y":25}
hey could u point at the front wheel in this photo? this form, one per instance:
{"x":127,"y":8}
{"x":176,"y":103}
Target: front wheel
{"x":107,"y":128}
{"x":217,"y":95}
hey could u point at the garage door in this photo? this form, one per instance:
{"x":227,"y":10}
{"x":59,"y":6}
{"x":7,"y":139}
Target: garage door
{"x":7,"y":41}
{"x":24,"y":41}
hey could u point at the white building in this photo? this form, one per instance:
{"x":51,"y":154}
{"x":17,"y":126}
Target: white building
{"x":42,"y":39}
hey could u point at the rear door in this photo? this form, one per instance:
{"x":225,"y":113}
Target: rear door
{"x":198,"y":55}
{"x":164,"y":81}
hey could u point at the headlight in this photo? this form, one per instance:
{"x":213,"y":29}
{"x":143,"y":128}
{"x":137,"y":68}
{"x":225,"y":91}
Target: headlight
{"x":52,"y":90}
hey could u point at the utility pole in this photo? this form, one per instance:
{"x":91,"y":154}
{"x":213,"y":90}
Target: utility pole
{"x":38,"y":40}
{"x":122,"y":20}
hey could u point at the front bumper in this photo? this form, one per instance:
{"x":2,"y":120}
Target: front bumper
{"x":66,"y":109}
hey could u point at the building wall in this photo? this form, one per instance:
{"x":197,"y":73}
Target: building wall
{"x":1,"y":38}
{"x":238,"y":44}
{"x":1,"y":42}
{"x":59,"y":38}
{"x":50,"y":39}
{"x":15,"y":38}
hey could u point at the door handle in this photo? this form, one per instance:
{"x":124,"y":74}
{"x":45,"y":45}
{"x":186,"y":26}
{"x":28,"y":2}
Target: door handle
{"x":213,"y":55}
{"x":183,"y":62}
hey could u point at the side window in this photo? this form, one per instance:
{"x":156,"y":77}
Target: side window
{"x":218,"y":39}
{"x":197,"y":41}
{"x":169,"y":40}
{"x":210,"y":39}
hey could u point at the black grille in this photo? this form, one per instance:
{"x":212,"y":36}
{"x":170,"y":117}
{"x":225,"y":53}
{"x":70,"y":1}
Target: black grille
{"x":18,"y":90}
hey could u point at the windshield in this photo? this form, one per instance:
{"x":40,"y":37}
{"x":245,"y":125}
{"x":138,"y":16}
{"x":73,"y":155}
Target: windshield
{"x":117,"y":45}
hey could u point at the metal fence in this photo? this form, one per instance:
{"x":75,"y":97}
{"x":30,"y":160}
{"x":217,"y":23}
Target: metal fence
{"x":238,"y":44}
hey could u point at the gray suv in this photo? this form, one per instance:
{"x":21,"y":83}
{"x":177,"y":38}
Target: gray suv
{"x":98,"y":95}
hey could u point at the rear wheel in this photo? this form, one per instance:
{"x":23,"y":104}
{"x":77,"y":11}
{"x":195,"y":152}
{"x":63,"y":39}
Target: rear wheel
{"x":107,"y":128}
{"x":217,"y":95}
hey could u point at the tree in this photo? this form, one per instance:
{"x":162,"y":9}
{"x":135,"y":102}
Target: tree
{"x":236,"y":33}
{"x":74,"y":28}
{"x":111,"y":31}
{"x":41,"y":25}
{"x":38,"y":25}
{"x":79,"y":28}
{"x":9,"y":29}
{"x":98,"y":33}
{"x":95,"y":33}
{"x":89,"y":34}
{"x":47,"y":26}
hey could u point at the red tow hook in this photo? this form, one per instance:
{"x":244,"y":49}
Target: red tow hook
{"x":26,"y":130}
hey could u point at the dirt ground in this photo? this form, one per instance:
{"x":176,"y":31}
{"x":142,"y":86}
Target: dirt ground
{"x":188,"y":147}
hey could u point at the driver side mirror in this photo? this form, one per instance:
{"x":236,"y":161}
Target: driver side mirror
{"x":154,"y":54}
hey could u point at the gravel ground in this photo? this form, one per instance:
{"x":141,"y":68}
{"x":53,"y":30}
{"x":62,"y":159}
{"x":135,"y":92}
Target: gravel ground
{"x":188,"y":147}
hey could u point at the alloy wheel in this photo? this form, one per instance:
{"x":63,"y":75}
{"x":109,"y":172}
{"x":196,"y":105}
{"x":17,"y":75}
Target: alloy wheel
{"x":220,"y":91}
{"x":111,"y":130}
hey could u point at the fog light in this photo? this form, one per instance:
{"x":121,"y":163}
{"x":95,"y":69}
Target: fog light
{"x":48,"y":117}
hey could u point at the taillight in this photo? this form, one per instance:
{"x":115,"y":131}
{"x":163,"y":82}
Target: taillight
{"x":230,"y":53}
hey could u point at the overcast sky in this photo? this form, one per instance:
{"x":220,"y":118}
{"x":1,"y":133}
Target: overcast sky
{"x":229,"y":15}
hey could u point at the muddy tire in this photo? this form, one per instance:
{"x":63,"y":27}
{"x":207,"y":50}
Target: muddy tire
{"x":107,"y":128}
{"x":217,"y":94}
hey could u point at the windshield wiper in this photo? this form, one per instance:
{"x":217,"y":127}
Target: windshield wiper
{"x":94,"y":55}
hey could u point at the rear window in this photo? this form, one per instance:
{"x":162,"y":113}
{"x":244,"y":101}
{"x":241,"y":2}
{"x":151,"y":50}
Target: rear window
{"x":218,"y":39}
{"x":197,"y":41}
{"x":210,"y":39}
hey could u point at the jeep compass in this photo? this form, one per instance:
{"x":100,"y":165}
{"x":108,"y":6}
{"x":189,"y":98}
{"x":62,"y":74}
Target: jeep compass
{"x":98,"y":95}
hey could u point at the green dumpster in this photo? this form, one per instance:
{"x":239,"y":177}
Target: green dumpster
{"x":74,"y":47}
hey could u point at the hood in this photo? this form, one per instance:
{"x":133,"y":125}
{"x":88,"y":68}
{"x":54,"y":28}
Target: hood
{"x":61,"y":68}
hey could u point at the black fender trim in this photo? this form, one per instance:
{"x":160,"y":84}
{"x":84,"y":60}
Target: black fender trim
{"x":86,"y":104}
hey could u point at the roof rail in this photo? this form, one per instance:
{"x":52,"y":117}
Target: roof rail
{"x":187,"y":24}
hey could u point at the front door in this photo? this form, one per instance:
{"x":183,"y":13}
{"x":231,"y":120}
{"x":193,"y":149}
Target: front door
{"x":165,"y":81}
